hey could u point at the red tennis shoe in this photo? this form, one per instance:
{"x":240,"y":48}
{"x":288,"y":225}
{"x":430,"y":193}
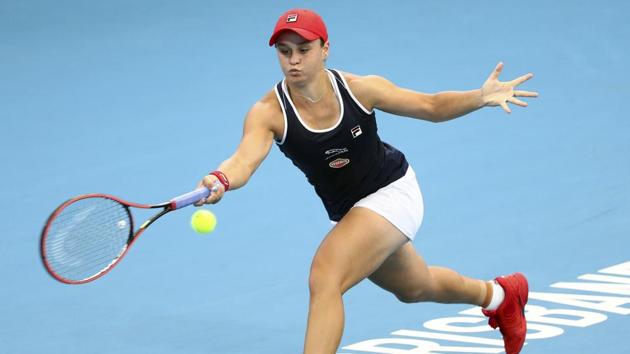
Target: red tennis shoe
{"x":510,"y":315}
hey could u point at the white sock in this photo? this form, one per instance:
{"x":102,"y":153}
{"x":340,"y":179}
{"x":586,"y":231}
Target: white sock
{"x":498,"y":294}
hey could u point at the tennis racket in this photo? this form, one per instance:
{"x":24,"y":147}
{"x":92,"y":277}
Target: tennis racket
{"x":88,"y":235}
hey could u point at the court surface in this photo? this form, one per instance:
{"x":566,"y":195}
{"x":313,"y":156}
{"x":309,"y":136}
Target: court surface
{"x":140,"y":99}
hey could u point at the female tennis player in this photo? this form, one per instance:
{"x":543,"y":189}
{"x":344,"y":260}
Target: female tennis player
{"x":324,"y":121}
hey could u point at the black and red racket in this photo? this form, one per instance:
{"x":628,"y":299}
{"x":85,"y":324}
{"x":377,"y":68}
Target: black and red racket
{"x":85,"y":237}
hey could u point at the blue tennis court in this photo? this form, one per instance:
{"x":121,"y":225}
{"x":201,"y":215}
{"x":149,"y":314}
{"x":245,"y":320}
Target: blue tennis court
{"x":140,"y":99}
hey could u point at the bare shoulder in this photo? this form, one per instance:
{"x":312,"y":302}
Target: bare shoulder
{"x":362,"y":82}
{"x":267,"y":113}
{"x":354,"y":80}
{"x":364,"y":87}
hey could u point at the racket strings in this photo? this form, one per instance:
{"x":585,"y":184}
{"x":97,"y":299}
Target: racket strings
{"x":87,"y":237}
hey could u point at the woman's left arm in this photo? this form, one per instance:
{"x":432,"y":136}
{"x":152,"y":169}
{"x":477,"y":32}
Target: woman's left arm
{"x":377,"y":92}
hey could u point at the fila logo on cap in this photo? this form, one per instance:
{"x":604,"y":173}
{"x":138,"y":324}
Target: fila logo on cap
{"x":356,"y":131}
{"x":292,"y":18}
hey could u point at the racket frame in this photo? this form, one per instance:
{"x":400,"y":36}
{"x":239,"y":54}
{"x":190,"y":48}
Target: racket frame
{"x":133,"y":236}
{"x":178,"y":202}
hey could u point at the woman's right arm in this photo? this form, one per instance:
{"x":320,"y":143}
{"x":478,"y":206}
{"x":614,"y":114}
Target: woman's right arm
{"x":258,"y":134}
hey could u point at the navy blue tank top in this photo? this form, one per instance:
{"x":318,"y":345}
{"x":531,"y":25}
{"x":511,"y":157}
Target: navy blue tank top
{"x":346,"y":162}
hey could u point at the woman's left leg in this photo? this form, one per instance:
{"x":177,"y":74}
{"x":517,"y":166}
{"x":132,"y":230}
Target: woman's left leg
{"x":351,"y":251}
{"x":406,"y":275}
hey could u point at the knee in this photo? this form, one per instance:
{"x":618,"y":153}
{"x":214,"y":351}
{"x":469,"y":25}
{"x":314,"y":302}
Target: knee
{"x":410,"y":296}
{"x":323,"y":280}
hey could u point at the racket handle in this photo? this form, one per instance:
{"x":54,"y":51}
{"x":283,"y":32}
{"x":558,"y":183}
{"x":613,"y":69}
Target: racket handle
{"x":185,"y":200}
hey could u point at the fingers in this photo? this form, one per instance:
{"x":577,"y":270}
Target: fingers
{"x":216,"y":190}
{"x":517,"y":102}
{"x":199,"y":202}
{"x":497,"y":71}
{"x":521,"y":79}
{"x":504,"y":91}
{"x":525,"y":94}
{"x":513,"y":100}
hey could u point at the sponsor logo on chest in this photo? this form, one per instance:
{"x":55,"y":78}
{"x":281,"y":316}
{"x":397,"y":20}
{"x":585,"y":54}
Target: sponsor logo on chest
{"x":339,"y":163}
{"x":335,"y":152}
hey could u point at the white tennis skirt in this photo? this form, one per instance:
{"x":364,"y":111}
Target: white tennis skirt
{"x":400,"y":202}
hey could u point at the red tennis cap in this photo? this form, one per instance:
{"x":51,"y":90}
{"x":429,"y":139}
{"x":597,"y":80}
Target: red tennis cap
{"x":305,"y":23}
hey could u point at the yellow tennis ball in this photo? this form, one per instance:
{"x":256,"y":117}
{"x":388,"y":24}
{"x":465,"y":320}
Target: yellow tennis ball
{"x":203,"y":221}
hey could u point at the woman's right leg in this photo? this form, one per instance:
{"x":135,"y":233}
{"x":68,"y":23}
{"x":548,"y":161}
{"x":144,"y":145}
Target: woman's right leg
{"x":351,"y":251}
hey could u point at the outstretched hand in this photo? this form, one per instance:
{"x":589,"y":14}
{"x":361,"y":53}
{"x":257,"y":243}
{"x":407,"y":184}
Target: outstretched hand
{"x":497,"y":93}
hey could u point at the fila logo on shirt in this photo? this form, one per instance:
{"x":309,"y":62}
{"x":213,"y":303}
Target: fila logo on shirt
{"x":356,"y":131}
{"x":292,"y":18}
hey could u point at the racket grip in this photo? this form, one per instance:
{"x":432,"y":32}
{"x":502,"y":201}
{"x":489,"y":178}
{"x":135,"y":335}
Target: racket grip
{"x":185,"y":200}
